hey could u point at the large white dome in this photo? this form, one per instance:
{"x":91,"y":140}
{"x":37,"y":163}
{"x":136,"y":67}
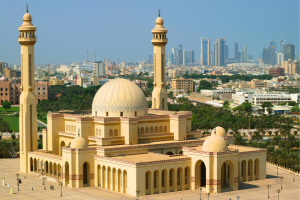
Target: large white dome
{"x":119,"y":97}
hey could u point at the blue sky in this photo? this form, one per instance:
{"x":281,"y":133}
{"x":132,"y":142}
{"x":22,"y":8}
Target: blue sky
{"x":67,"y":29}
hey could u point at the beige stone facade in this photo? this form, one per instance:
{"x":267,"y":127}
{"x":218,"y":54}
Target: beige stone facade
{"x":56,"y":81}
{"x":125,"y":147}
{"x":9,"y":73}
{"x":183,"y":84}
{"x":81,"y":80}
{"x":291,"y":67}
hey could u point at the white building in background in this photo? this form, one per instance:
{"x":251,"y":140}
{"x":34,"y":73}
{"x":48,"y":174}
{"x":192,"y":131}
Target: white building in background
{"x":218,"y":91}
{"x":99,"y":69}
{"x":280,"y":58}
{"x":258,"y":98}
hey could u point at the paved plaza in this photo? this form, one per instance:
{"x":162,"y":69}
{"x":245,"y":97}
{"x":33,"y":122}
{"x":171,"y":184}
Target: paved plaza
{"x":32,"y":188}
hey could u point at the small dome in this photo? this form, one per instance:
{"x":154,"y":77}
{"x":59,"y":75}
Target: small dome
{"x":220,"y":131}
{"x":3,"y":78}
{"x":214,"y":143}
{"x":27,"y":17}
{"x":119,"y":97}
{"x":159,"y":20}
{"x":78,"y":143}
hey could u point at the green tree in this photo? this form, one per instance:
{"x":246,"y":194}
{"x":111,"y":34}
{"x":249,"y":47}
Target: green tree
{"x":292,"y":103}
{"x":282,"y":104}
{"x":266,"y":104}
{"x":149,"y":104}
{"x":238,"y":140}
{"x":295,"y":108}
{"x":204,"y":85}
{"x":6,"y":105}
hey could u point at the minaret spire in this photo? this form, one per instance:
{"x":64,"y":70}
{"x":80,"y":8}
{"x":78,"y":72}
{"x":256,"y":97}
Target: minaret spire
{"x":158,"y":12}
{"x":27,"y":8}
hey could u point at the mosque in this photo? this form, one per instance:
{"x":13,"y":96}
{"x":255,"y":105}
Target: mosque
{"x":125,"y":147}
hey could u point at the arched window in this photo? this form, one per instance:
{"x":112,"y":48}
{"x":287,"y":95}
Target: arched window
{"x":160,"y":129}
{"x":110,"y":132}
{"x":156,"y":129}
{"x":171,"y":177}
{"x":142,"y":130}
{"x":116,"y":132}
{"x":26,"y":34}
{"x":154,"y":178}
{"x":147,"y":130}
{"x":23,"y":34}
{"x":96,"y":131}
{"x":151,"y":129}
{"x":165,"y":129}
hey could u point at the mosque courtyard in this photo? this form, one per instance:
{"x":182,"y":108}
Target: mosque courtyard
{"x":32,"y":188}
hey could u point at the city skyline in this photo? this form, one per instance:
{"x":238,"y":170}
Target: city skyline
{"x":65,"y":38}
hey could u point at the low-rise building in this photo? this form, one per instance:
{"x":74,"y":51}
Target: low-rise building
{"x":9,"y":73}
{"x":277,"y":72}
{"x":141,"y":84}
{"x":81,"y":80}
{"x":56,"y":81}
{"x":183,"y":84}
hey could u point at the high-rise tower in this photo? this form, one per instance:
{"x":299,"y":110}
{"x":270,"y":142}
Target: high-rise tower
{"x":205,"y":52}
{"x":159,"y":41}
{"x":28,"y":116}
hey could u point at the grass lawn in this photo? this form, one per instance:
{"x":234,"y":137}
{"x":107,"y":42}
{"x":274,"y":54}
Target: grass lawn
{"x":11,"y":109}
{"x":13,"y":122}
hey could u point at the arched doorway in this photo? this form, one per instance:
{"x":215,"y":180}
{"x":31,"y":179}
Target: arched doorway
{"x":227,"y":175}
{"x":31,"y":164}
{"x":243,"y":171}
{"x":178,"y":179}
{"x":34,"y":164}
{"x":108,"y":177}
{"x":164,"y":181}
{"x":250,"y":170}
{"x":99,"y":176}
{"x":86,"y":174}
{"x":200,"y":174}
{"x":172,"y":180}
{"x":256,"y":169}
{"x":124,"y":181}
{"x":103,"y":176}
{"x":67,"y":173}
{"x":62,"y":144}
{"x":119,"y":180}
{"x":187,"y":178}
{"x":148,"y":182}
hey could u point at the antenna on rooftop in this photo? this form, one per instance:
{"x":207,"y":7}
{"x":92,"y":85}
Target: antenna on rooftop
{"x":87,"y":56}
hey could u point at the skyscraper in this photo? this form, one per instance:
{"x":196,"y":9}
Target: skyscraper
{"x":282,"y":43}
{"x":28,"y":115}
{"x":159,"y":41}
{"x":245,"y":48}
{"x":185,"y":58}
{"x":173,"y":51}
{"x":289,"y":52}
{"x":272,"y":43}
{"x":192,"y":57}
{"x":236,"y":51}
{"x":269,"y":56}
{"x":205,"y":51}
{"x":179,"y":55}
{"x":219,"y":52}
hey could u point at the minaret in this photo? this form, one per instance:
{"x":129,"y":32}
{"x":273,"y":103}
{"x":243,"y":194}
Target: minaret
{"x":28,"y":116}
{"x":159,"y":41}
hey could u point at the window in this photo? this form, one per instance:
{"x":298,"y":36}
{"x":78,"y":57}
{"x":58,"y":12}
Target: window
{"x":43,"y":88}
{"x":121,"y":114}
{"x":135,"y":113}
{"x":39,"y":88}
{"x":106,"y":114}
{"x":5,"y":89}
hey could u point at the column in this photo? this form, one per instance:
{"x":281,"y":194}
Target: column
{"x":182,"y":179}
{"x":167,"y":183}
{"x":159,"y":182}
{"x":175,"y":176}
{"x":106,"y":178}
{"x":252,"y":170}
{"x":246,"y":167}
{"x":240,"y":172}
{"x":152,"y":182}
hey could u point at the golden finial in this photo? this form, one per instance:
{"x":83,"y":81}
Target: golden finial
{"x":159,"y":12}
{"x":27,"y":8}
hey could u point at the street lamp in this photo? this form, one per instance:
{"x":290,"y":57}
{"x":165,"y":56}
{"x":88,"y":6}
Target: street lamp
{"x":268,"y":186}
{"x":200,"y":189}
{"x":137,"y":194}
{"x":44,"y":182}
{"x":60,"y":184}
{"x":281,"y":178}
{"x":17,"y":175}
{"x":208,"y":194}
{"x":278,"y":191}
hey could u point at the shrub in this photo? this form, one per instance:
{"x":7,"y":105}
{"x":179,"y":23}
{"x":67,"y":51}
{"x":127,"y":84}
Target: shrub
{"x":244,"y":134}
{"x":276,"y":132}
{"x":270,"y":132}
{"x":41,"y":137}
{"x":13,"y":136}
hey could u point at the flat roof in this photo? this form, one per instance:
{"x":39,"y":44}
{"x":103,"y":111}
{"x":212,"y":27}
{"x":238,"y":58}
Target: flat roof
{"x":150,"y":157}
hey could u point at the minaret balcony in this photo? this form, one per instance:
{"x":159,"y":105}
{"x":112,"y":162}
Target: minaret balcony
{"x":27,"y":40}
{"x":159,"y":41}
